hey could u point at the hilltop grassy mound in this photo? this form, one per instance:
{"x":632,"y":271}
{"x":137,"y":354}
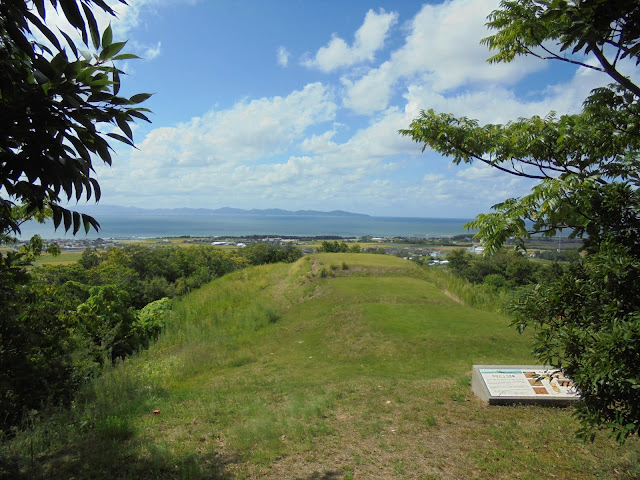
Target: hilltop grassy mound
{"x":336,"y":366}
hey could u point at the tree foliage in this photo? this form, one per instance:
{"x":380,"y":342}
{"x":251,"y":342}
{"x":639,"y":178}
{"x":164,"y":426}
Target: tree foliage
{"x":504,"y":270}
{"x":54,"y":98}
{"x":57,"y":100}
{"x":587,"y":322}
{"x":333,"y":247}
{"x":587,"y":166}
{"x":60,"y":323}
{"x":262,"y":253}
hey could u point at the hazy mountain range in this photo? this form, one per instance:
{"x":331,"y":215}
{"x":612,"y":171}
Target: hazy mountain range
{"x":129,"y":211}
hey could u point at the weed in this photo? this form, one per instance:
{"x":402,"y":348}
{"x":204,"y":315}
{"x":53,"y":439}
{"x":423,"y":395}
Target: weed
{"x":399,"y":466}
{"x":464,"y":381}
{"x":241,"y":361}
{"x":348,"y":472}
{"x":345,"y":266}
{"x":271,"y":314}
{"x":114,"y":429}
{"x":430,"y":420}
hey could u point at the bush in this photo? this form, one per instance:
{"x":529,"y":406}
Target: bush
{"x":60,"y":323}
{"x":263,"y":253}
{"x":149,"y":322}
{"x":586,"y":322}
{"x":333,"y":247}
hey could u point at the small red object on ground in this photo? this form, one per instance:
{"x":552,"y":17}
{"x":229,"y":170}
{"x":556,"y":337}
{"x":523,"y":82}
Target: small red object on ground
{"x":156,"y":412}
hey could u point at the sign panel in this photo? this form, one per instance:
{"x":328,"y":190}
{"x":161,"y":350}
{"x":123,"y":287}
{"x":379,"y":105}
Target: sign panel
{"x":519,"y":382}
{"x":524,"y":384}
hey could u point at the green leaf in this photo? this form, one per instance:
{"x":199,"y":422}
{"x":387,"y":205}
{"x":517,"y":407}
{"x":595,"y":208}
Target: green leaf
{"x":57,"y":216}
{"x":124,"y":126}
{"x":70,"y":43}
{"x":89,"y":222}
{"x":66,"y":214}
{"x":139,"y":98}
{"x":116,"y":81}
{"x":110,"y":50}
{"x":126,"y":56}
{"x":121,"y":138}
{"x":93,"y":26}
{"x":79,"y":146}
{"x":107,"y":37}
{"x":45,"y":31}
{"x":96,"y":189}
{"x":73,"y":15}
{"x":102,"y":147}
{"x":77,"y":222}
{"x":139,"y":115}
{"x":99,"y":97}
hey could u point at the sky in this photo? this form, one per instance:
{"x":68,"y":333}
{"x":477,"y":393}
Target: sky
{"x":296,"y":104}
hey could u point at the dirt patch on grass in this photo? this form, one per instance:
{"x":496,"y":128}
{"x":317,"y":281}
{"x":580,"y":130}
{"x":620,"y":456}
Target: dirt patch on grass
{"x":453,"y":297}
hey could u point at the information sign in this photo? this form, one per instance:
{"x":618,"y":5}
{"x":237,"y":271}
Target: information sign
{"x":522,"y":384}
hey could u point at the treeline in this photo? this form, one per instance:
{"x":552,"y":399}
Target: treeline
{"x":505,"y":270}
{"x":338,"y":247}
{"x":60,"y":324}
{"x":343,"y":247}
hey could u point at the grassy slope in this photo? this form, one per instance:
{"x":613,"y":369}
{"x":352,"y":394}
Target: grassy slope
{"x":338,"y":366}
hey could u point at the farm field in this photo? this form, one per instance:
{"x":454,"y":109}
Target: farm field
{"x":339,"y":366}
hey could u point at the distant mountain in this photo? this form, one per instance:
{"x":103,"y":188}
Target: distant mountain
{"x":119,"y":210}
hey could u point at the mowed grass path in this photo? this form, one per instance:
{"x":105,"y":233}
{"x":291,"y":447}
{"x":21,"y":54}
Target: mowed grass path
{"x":339,"y":366}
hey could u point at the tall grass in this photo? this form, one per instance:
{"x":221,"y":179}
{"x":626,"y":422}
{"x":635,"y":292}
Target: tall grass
{"x":477,"y":296}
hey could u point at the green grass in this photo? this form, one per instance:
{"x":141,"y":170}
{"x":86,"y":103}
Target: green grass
{"x":66,"y":257}
{"x":282,"y":372}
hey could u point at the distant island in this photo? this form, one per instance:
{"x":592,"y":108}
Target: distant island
{"x":268,"y":212}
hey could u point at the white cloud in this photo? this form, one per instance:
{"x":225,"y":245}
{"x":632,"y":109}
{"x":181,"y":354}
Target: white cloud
{"x":240,"y":157}
{"x":127,"y":18}
{"x":372,"y":92}
{"x":320,"y":143}
{"x":443,"y":51}
{"x":301,"y":150}
{"x":499,"y":104}
{"x":225,"y":151}
{"x":282,"y":56}
{"x":152,"y":51}
{"x":478,"y":171}
{"x":369,"y":38}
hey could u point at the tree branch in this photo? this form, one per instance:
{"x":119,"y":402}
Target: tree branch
{"x":613,"y":73}
{"x":555,"y":56}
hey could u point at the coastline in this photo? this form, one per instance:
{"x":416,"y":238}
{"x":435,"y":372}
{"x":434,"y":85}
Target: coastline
{"x":146,"y":226}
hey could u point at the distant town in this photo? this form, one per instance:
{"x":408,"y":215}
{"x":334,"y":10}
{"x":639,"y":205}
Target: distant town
{"x":431,"y":250}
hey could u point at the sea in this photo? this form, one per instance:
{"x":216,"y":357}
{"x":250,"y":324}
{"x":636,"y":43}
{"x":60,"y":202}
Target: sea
{"x":159,"y":226}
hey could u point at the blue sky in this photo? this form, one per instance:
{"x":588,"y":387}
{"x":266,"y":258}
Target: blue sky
{"x":296,"y":104}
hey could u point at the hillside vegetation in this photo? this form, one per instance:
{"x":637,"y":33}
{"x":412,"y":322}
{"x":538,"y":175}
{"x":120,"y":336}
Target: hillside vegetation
{"x":336,"y":366}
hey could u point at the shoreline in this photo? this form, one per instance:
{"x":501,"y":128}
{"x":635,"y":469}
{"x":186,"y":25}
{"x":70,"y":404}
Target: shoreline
{"x":145,"y":227}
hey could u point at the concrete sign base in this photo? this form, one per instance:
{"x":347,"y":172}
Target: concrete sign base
{"x":525,"y":384}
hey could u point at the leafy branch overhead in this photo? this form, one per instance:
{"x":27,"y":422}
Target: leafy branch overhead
{"x":56,"y":102}
{"x":598,"y":146}
{"x":587,"y":167}
{"x":573,"y":156}
{"x":609,"y":30}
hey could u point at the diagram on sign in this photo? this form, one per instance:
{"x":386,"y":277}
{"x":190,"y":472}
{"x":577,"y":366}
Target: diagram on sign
{"x":524,"y":383}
